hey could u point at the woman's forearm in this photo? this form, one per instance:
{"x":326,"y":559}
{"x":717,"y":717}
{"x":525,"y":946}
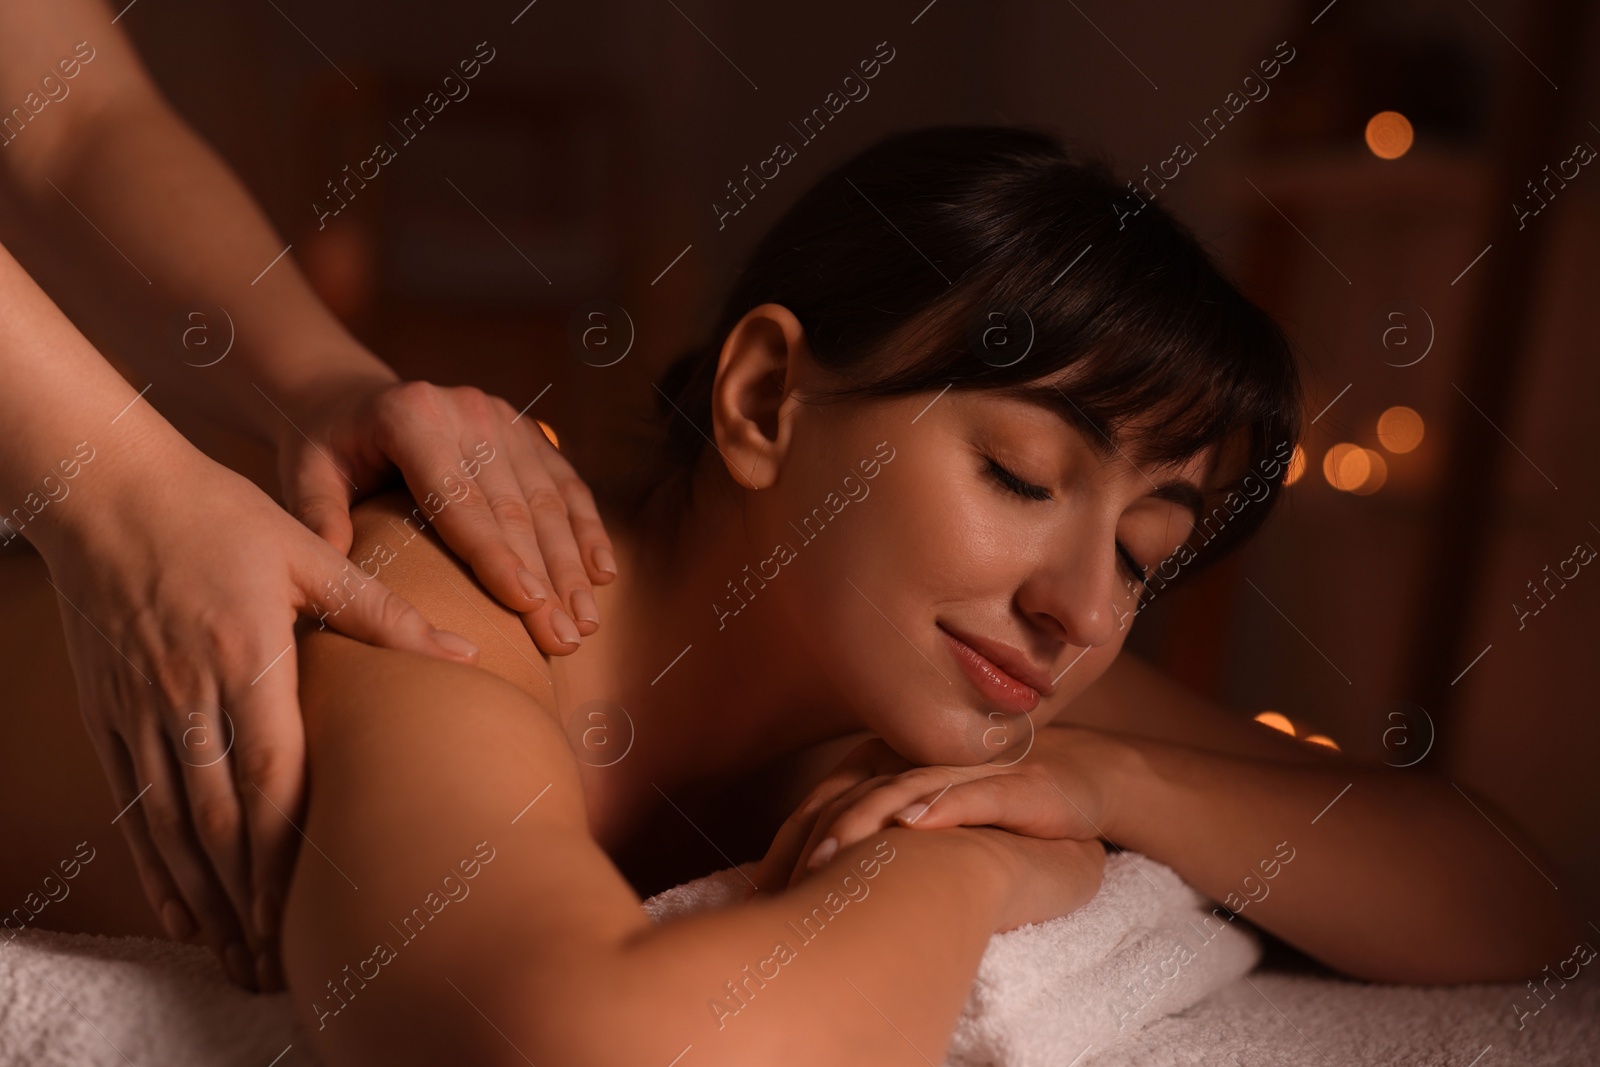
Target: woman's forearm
{"x":1380,"y":874}
{"x":868,"y":961}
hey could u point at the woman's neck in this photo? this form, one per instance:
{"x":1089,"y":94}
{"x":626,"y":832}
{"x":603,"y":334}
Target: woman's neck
{"x":672,"y":690}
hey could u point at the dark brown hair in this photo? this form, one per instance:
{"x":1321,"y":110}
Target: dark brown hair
{"x":897,"y":260}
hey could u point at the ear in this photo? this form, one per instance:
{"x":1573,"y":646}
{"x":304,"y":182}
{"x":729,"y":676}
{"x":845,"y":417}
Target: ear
{"x":755,"y":391}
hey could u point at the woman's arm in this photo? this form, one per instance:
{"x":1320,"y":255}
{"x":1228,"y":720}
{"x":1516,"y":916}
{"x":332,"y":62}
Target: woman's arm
{"x":1382,"y":874}
{"x":1393,"y":876}
{"x":1401,"y":877}
{"x":450,"y":902}
{"x":417,"y":776}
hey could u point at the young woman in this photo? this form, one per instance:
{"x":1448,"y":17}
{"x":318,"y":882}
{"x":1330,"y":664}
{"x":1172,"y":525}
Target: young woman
{"x":959,"y":420}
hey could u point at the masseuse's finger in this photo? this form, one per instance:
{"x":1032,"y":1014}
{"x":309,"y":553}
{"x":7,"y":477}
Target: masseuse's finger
{"x":315,"y":492}
{"x":461,"y":513}
{"x":340,"y":596}
{"x":169,"y":823}
{"x":200,"y":741}
{"x":584,"y":527}
{"x":269,"y":761}
{"x":159,"y":889}
{"x":548,"y":623}
{"x":553,"y":529}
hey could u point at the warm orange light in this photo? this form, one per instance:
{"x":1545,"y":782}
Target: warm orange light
{"x":1389,"y":134}
{"x":1375,"y":474}
{"x":1277,"y":721}
{"x":548,"y":432}
{"x":1400,"y":429}
{"x":1319,"y":739}
{"x":1297,"y":466}
{"x":1344,"y":466}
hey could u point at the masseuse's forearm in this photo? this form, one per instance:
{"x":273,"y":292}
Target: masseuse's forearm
{"x":1397,"y":878}
{"x":76,"y":432}
{"x":181,"y":236}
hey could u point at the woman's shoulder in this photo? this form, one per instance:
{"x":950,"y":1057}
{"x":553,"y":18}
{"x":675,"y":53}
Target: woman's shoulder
{"x":395,"y":542}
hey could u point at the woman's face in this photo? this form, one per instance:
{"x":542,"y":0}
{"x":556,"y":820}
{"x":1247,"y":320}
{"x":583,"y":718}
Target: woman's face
{"x":909,"y":533}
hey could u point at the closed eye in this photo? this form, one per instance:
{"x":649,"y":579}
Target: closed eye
{"x":1038,"y":492}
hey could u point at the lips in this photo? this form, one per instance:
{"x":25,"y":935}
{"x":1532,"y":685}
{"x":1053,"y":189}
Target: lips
{"x":999,"y":672}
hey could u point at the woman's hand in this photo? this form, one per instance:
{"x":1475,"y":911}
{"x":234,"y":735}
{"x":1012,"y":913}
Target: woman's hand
{"x":1048,"y":877}
{"x":500,"y":494}
{"x":1054,"y":791}
{"x":179,"y":586}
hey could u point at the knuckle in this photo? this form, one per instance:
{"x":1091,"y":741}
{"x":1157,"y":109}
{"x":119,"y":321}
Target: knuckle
{"x":395,"y":615}
{"x":257,"y":765}
{"x":474,"y":402}
{"x":509,"y":511}
{"x":409,"y":400}
{"x":215,"y":822}
{"x":166,"y":822}
{"x":547,"y":498}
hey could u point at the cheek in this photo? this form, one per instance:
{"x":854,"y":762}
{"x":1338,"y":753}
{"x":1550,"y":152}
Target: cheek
{"x":864,"y":591}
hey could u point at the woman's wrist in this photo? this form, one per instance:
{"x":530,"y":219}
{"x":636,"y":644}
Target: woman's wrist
{"x":1126,"y":783}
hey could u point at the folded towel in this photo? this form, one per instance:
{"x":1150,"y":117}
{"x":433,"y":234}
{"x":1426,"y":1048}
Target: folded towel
{"x":1146,"y":946}
{"x":71,"y":1000}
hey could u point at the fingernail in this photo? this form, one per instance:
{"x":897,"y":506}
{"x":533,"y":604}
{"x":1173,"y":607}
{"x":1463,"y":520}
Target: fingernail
{"x":455,"y":644}
{"x":566,"y":632}
{"x":531,"y":585}
{"x":911,"y":812}
{"x":824,"y":853}
{"x":175,"y":917}
{"x":605,"y":561}
{"x":266,"y":913}
{"x":240,"y":965}
{"x":585,"y":607}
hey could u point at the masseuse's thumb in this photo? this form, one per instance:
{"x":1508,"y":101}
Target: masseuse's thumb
{"x":316,"y":493}
{"x":342,"y":597}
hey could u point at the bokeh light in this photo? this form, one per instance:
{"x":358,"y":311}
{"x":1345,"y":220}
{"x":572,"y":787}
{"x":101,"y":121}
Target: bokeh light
{"x":1277,"y":721}
{"x":1345,"y":466}
{"x":1321,"y":739}
{"x":1389,"y":134}
{"x":1297,"y":466}
{"x":548,"y":432}
{"x":1400,"y":429}
{"x":1376,"y":473}
{"x":1353,"y":469}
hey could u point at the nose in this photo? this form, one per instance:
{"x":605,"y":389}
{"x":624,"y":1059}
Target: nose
{"x":1078,"y":592}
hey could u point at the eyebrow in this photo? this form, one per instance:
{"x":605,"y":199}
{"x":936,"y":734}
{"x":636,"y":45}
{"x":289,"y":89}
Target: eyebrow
{"x":1102,"y":443}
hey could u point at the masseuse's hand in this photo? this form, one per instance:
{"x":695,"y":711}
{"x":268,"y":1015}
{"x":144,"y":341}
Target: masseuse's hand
{"x":500,"y":494}
{"x":1053,"y":791}
{"x":180,"y":583}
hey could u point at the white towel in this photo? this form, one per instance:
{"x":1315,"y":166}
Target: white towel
{"x":75,"y":1000}
{"x":1146,"y":946}
{"x":1044,"y":993}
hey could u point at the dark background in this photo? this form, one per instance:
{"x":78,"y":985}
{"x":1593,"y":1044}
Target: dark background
{"x":591,"y":149}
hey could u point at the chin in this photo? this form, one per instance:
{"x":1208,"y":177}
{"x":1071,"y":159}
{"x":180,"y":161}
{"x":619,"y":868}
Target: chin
{"x":957,"y":734}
